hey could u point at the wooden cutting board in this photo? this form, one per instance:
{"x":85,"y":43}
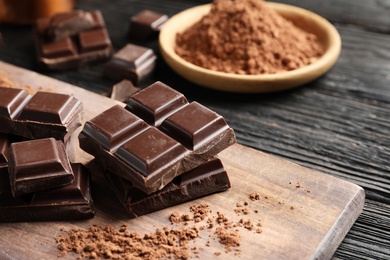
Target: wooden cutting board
{"x":304,"y":214}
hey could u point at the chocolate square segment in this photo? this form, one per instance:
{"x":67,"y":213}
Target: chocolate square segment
{"x":50,"y":108}
{"x":61,"y":48}
{"x":151,"y":150}
{"x":194,"y":125}
{"x":132,"y":62}
{"x":93,"y":40}
{"x":146,"y":25}
{"x":113,"y":127}
{"x":38,"y":165}
{"x":12,"y":101}
{"x":156,"y":102}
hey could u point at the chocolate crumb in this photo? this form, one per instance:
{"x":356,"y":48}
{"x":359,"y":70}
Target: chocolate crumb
{"x":254,"y":196}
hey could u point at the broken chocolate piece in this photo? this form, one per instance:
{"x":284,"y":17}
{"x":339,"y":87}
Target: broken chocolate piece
{"x":146,"y":25}
{"x":206,"y":179}
{"x":38,"y":165}
{"x":150,"y":156}
{"x":42,"y":115}
{"x":132,"y":62}
{"x":123,"y":90}
{"x":75,"y":39}
{"x":68,"y":202}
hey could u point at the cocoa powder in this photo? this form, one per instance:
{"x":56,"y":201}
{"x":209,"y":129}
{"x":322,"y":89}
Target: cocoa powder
{"x":246,"y":37}
{"x":106,"y":242}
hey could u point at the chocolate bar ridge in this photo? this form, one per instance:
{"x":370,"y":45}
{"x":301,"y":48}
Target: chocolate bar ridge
{"x":205,"y":179}
{"x":42,"y":115}
{"x":156,"y":153}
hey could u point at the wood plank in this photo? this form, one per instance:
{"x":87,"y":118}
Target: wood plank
{"x":304,"y":214}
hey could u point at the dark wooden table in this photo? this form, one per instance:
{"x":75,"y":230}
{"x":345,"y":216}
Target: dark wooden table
{"x":338,"y":124}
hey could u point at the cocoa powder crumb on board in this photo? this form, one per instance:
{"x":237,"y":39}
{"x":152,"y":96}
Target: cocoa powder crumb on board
{"x":247,"y":37}
{"x":106,"y":242}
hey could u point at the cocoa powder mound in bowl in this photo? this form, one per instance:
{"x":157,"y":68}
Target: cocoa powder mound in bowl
{"x":210,"y":50}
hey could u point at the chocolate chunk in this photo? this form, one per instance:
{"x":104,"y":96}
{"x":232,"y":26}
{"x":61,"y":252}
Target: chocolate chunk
{"x":42,"y":115}
{"x":63,"y":25}
{"x":132,"y":62}
{"x":38,"y":165}
{"x":149,"y":156}
{"x":146,"y":25}
{"x":68,"y":202}
{"x":49,"y":108}
{"x":123,"y":90}
{"x":72,"y":40}
{"x":153,"y":106}
{"x":208,"y":178}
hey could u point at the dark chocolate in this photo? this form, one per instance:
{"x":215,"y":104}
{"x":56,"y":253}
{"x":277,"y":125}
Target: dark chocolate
{"x":4,"y":147}
{"x":123,"y":90}
{"x":132,"y":62}
{"x":146,"y":25}
{"x":63,"y":25}
{"x":152,"y":155}
{"x":63,"y":203}
{"x":72,"y":40}
{"x":206,"y":179}
{"x":156,"y":104}
{"x":42,"y":115}
{"x":38,"y":165}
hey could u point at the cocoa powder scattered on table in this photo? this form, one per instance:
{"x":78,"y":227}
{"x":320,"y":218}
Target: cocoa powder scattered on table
{"x":246,"y":37}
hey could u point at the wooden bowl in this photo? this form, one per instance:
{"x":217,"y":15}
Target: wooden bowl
{"x":306,"y":20}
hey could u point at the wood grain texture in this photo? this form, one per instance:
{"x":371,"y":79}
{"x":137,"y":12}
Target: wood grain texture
{"x":338,"y":124}
{"x":292,"y":205}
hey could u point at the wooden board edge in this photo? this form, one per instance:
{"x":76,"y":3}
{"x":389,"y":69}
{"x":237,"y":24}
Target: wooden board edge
{"x":341,"y":227}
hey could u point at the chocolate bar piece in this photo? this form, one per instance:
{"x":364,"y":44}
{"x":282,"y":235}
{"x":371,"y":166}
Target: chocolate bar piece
{"x":68,"y":24}
{"x":68,"y":202}
{"x":123,"y":90}
{"x":78,"y":41}
{"x":42,"y":115}
{"x":146,"y":25}
{"x":132,"y":62}
{"x":170,"y":136}
{"x":205,"y":179}
{"x":38,"y":165}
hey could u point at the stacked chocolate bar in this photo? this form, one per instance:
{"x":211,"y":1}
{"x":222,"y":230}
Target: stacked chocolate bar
{"x":159,"y":150}
{"x":37,"y":180}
